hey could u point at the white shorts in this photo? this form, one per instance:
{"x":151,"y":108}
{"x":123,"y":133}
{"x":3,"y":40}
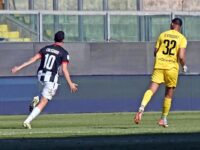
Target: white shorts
{"x":49,"y":89}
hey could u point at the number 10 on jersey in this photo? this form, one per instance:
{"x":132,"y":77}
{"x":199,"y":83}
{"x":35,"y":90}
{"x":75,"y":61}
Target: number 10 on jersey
{"x":49,"y":61}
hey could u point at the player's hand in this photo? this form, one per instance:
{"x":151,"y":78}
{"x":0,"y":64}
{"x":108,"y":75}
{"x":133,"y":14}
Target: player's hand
{"x":14,"y":69}
{"x":73,"y":87}
{"x":185,"y":69}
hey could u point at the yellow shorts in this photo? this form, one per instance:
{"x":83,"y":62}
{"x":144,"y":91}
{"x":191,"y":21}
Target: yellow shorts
{"x":167,"y":76}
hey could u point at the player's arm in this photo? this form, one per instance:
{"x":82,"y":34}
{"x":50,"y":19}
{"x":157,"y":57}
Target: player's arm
{"x":73,"y":86}
{"x":157,"y":45}
{"x":155,"y":51}
{"x":182,"y":54}
{"x":25,"y":64}
{"x":182,"y":58}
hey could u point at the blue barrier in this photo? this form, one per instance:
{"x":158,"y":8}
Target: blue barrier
{"x":97,"y":94}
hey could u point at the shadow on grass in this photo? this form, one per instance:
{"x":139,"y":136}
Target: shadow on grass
{"x":185,"y":141}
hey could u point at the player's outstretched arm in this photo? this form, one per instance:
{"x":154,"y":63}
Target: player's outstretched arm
{"x":25,"y":64}
{"x":182,"y":59}
{"x":73,"y":86}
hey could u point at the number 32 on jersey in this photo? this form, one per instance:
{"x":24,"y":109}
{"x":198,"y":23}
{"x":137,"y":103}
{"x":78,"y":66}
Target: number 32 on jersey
{"x":170,"y":45}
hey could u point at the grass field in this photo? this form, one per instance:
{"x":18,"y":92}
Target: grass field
{"x":101,"y":131}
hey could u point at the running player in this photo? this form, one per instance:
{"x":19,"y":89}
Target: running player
{"x":52,"y":58}
{"x":170,"y":49}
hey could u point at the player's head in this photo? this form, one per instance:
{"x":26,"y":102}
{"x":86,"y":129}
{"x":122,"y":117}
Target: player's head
{"x":176,"y":24}
{"x":59,"y":36}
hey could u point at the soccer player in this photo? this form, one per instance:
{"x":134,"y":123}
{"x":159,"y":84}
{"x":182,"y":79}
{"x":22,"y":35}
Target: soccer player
{"x":52,"y":58}
{"x":170,"y":49}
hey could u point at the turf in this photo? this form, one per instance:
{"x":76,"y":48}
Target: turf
{"x":101,"y":131}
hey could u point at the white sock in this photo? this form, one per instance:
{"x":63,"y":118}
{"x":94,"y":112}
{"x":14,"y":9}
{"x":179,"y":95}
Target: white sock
{"x":141,"y":109}
{"x":36,"y":111}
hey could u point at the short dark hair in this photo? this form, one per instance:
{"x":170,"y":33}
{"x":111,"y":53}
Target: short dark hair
{"x":59,"y":36}
{"x":177,"y":21}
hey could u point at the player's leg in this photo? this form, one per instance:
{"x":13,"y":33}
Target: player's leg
{"x":148,"y":94}
{"x":48,"y":92}
{"x":36,"y":111}
{"x":146,"y":98}
{"x":171,"y":77}
{"x":36,"y":99}
{"x":166,"y":106}
{"x":167,"y":101}
{"x":157,"y":78}
{"x":34,"y":103}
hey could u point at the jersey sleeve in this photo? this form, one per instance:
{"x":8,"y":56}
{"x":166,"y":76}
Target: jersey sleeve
{"x":41,"y":52}
{"x":183,"y":43}
{"x":65,"y":58}
{"x":158,"y":41}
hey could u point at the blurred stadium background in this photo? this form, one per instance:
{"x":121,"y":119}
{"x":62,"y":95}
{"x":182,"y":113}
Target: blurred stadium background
{"x":111,"y":44}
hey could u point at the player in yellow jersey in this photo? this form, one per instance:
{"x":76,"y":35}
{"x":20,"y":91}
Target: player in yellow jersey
{"x":169,"y":51}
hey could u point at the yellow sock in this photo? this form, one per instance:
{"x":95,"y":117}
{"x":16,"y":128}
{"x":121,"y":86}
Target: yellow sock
{"x":166,"y":106}
{"x":147,"y":97}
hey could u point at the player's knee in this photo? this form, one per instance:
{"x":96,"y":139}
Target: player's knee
{"x":169,"y":92}
{"x":154,"y":87}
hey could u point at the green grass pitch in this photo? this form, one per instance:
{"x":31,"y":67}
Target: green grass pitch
{"x":101,"y":131}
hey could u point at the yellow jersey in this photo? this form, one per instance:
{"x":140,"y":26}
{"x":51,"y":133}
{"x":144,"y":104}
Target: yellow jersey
{"x":168,"y":45}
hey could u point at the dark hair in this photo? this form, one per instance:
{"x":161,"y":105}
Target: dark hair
{"x":59,"y":36}
{"x":177,"y":21}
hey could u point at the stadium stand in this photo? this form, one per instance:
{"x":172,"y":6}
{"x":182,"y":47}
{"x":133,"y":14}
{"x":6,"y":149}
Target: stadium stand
{"x":14,"y":36}
{"x":98,"y":5}
{"x":120,"y":26}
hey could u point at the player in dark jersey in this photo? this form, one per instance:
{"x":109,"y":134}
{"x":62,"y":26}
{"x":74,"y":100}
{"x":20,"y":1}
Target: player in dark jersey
{"x":52,"y":58}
